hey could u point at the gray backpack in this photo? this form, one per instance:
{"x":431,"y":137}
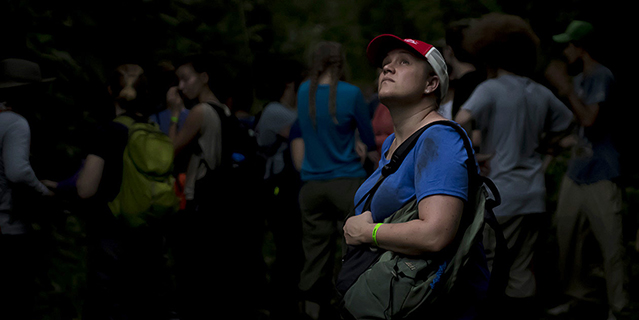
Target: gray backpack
{"x":397,"y":286}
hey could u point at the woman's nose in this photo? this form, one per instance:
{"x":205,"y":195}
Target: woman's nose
{"x":388,"y":68}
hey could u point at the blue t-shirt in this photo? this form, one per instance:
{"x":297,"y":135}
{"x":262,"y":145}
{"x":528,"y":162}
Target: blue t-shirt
{"x":436,"y":165}
{"x":595,"y":157}
{"x":330,"y":147}
{"x":163,"y":119}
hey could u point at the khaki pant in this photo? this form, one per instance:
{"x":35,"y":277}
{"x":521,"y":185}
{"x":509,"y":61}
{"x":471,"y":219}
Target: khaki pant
{"x":583,"y":210}
{"x":324,"y":206}
{"x":521,"y":233}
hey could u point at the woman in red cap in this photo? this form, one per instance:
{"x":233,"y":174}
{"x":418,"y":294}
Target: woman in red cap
{"x":413,"y":82}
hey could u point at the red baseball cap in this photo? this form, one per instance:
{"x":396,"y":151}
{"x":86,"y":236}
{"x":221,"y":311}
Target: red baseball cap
{"x":381,"y":45}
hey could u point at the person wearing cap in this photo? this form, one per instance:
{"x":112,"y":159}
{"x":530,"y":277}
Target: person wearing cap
{"x":17,"y":80}
{"x":513,"y":112}
{"x":590,"y":199}
{"x":412,"y":83}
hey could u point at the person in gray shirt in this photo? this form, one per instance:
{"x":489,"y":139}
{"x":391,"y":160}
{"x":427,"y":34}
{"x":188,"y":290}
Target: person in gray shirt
{"x":15,"y":168}
{"x":281,"y":184}
{"x":17,"y":245}
{"x":513,"y":113}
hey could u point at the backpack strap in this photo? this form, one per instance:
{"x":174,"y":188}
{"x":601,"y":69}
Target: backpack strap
{"x":224,"y":127}
{"x":396,"y":160}
{"x":475,"y":180}
{"x":400,"y":153}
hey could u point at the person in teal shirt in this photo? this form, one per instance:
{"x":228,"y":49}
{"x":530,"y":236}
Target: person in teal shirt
{"x":334,"y":119}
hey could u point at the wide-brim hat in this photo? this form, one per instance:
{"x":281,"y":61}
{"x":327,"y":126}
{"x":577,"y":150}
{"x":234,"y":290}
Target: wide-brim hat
{"x":19,"y":72}
{"x":383,"y":44}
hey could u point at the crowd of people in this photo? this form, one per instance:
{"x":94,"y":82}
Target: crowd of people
{"x":320,"y":145}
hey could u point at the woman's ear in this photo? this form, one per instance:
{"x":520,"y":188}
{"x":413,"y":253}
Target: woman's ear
{"x":431,"y":85}
{"x":204,"y":77}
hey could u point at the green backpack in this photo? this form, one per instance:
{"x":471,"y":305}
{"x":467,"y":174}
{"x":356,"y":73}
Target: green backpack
{"x":147,"y":191}
{"x":396,"y":286}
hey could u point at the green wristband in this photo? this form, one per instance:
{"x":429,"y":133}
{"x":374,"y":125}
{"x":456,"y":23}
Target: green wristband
{"x":175,"y":119}
{"x":375,"y":234}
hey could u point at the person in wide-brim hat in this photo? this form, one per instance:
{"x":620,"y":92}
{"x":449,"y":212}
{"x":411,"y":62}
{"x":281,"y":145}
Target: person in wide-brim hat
{"x":20,"y":72}
{"x":19,"y":185}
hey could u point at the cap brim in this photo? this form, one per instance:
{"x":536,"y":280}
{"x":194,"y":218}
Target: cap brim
{"x":561,"y":38}
{"x":382,"y":44}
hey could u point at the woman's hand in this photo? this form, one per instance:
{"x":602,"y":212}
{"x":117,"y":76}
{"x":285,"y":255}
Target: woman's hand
{"x":174,"y":101}
{"x":359,"y":229}
{"x":52,"y":185}
{"x":361,"y":149}
{"x":483,"y":160}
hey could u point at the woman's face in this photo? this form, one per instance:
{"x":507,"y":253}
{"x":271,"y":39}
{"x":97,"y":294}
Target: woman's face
{"x":403,"y":78}
{"x":191,"y":83}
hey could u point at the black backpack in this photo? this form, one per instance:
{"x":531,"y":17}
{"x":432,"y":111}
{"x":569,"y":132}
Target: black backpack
{"x":378,"y":284}
{"x":242,"y":169}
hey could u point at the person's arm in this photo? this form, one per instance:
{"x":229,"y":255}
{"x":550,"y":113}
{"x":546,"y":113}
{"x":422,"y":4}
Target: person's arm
{"x":90,"y":176}
{"x":365,"y":143}
{"x":362,"y":150}
{"x":364,"y":123}
{"x":66,"y":187}
{"x":297,"y":153}
{"x":189,"y":131}
{"x":284,"y":133}
{"x":192,"y":124}
{"x":15,"y":153}
{"x":296,"y":145}
{"x":585,"y":114}
{"x":478,"y":101}
{"x":560,"y":123}
{"x":463,"y":117}
{"x":440,"y":183}
{"x":108,"y":145}
{"x":557,"y":75}
{"x":439,"y":218}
